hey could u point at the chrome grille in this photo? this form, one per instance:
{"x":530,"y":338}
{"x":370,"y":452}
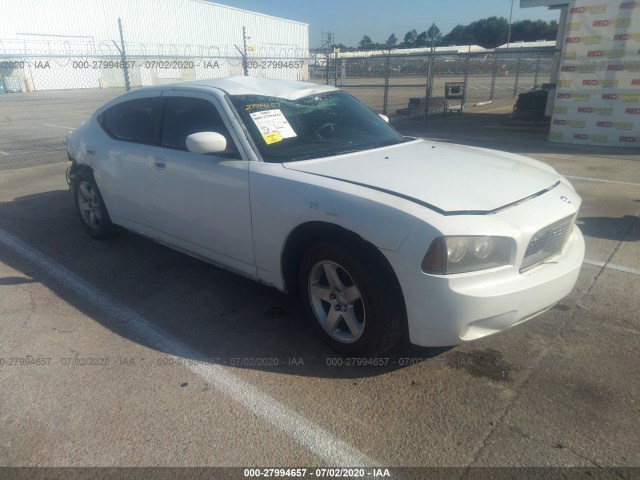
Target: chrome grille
{"x":547,"y":242}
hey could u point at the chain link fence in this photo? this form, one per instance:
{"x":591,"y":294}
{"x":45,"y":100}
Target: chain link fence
{"x":37,"y":73}
{"x":396,"y":85}
{"x":44,"y":92}
{"x":404,"y":86}
{"x":28,"y":66}
{"x":48,"y":87}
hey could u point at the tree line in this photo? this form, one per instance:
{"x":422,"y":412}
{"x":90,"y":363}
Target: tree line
{"x":488,"y":33}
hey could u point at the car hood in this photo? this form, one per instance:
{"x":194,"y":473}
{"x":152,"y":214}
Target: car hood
{"x":450,"y":179}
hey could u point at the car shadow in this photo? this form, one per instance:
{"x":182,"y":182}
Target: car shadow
{"x":497,"y":131}
{"x":219,"y":316}
{"x":625,"y":228}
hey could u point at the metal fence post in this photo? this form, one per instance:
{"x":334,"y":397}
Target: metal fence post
{"x":245,"y":69}
{"x":123,"y":57}
{"x":466,"y":80}
{"x":535,"y":79}
{"x":493,"y":77}
{"x":515,"y":84}
{"x":328,"y":62}
{"x":429,"y":91}
{"x":387,"y":62}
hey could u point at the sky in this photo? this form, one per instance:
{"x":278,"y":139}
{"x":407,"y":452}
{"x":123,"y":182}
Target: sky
{"x":349,"y":20}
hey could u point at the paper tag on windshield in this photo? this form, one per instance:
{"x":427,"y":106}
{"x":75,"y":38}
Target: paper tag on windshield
{"x":273,"y":125}
{"x":272,"y":137}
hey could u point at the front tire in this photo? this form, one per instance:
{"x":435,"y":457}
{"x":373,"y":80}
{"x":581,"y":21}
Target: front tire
{"x":352,"y":299}
{"x":90,"y":206}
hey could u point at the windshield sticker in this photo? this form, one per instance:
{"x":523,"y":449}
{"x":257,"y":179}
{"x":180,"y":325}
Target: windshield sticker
{"x":272,"y":137}
{"x":256,"y":106}
{"x":273,"y":126}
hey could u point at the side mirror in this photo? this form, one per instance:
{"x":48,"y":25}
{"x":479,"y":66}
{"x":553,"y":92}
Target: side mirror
{"x":206,"y":142}
{"x":384,"y":117}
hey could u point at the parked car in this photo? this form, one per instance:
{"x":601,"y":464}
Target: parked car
{"x":302,"y":187}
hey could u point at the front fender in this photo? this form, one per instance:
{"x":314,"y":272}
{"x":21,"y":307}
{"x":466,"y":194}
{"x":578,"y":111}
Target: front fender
{"x":282,"y":199}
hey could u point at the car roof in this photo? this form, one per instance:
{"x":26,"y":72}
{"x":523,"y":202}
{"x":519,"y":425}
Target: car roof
{"x":289,"y":89}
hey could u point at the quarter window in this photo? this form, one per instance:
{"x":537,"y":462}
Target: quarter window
{"x":131,"y":121}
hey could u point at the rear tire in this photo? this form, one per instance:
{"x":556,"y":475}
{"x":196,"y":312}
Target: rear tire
{"x":90,"y":206}
{"x":353,"y":301}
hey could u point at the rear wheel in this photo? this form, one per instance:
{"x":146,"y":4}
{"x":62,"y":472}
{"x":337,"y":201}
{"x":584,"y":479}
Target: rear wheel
{"x":90,"y":206}
{"x":353,"y":301}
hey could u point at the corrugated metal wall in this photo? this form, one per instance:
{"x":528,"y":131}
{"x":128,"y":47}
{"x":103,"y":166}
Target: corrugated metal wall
{"x":160,"y":27}
{"x":69,"y":44}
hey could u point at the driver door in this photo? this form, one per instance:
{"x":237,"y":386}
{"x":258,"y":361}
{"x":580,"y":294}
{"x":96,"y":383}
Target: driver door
{"x":201,"y":202}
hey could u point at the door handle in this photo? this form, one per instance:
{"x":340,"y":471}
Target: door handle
{"x":91,"y":150}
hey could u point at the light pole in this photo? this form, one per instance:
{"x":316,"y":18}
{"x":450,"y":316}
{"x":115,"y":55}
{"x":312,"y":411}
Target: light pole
{"x":510,"y":17}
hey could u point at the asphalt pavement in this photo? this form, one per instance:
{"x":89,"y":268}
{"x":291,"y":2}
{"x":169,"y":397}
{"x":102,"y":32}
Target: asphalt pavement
{"x":127,"y":353}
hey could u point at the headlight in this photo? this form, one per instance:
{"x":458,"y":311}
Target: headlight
{"x":448,"y":255}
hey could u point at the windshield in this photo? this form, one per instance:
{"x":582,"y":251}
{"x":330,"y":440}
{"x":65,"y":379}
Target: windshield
{"x":316,"y":126}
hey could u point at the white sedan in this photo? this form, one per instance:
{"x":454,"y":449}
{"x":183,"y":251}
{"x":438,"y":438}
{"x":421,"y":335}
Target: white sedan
{"x":302,"y":187}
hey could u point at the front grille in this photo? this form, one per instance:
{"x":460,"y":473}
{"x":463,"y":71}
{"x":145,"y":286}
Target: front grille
{"x":547,"y":242}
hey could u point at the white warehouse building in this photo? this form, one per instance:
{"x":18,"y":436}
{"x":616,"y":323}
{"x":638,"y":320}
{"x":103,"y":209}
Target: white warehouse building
{"x":64,"y":44}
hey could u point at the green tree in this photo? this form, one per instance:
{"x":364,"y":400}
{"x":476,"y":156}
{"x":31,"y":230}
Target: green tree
{"x":421,"y":39}
{"x":530,"y":31}
{"x":366,"y":43}
{"x":458,"y":36}
{"x":488,"y":32}
{"x":410,"y":38}
{"x":342,"y":47}
{"x":493,"y":31}
{"x":392,"y":40}
{"x":434,"y":35}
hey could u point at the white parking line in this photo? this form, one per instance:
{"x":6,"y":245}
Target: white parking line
{"x":4,"y":154}
{"x":59,"y":126}
{"x":612,"y":266}
{"x":602,"y":180}
{"x":314,"y":438}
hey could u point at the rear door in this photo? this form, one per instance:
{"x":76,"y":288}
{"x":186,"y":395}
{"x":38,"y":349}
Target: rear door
{"x":122,"y":160}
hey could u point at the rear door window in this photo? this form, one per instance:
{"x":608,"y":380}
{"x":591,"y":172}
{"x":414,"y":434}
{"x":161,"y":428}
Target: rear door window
{"x":131,"y":121}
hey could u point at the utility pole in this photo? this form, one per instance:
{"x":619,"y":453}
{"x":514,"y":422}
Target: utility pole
{"x":510,"y":17}
{"x":326,"y":47}
{"x":430,"y":75}
{"x":433,"y":37}
{"x":330,"y":43}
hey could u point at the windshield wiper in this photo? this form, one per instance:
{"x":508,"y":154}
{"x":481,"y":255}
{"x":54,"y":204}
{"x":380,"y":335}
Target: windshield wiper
{"x":359,"y":148}
{"x":308,"y":156}
{"x":382,"y":143}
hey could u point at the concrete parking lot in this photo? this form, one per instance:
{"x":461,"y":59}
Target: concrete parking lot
{"x":126,"y":353}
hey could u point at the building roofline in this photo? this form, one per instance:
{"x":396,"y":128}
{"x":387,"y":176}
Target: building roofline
{"x":207,"y":2}
{"x":551,"y":4}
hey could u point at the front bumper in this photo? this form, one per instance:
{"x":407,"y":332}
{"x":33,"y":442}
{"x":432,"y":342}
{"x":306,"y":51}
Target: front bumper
{"x":71,"y":173}
{"x":449,"y":310}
